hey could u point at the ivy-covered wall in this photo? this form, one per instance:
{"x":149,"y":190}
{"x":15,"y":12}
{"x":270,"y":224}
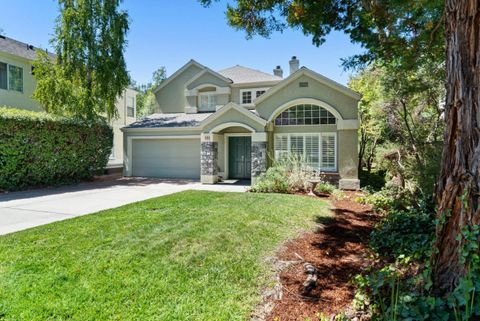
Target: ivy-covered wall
{"x":38,"y":149}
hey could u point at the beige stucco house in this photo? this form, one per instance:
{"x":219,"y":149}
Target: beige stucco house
{"x":231,"y":124}
{"x":17,"y":85}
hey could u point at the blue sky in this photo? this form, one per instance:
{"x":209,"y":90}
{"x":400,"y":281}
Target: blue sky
{"x":169,"y":33}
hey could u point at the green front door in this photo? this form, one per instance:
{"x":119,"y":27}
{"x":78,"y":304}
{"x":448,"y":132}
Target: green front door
{"x":239,"y":157}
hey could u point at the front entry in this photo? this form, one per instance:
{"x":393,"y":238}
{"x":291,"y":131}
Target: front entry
{"x":239,"y":157}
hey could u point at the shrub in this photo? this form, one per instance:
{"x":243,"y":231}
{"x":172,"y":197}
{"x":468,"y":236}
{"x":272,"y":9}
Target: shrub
{"x":406,"y":233}
{"x":273,"y":180}
{"x":38,"y":149}
{"x":325,"y":188}
{"x":287,"y":175}
{"x":390,"y":197}
{"x":375,"y":180}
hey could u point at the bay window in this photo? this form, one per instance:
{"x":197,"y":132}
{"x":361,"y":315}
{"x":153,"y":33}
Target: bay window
{"x":319,"y":151}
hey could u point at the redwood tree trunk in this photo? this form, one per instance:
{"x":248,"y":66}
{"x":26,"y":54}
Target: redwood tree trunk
{"x":458,"y":188}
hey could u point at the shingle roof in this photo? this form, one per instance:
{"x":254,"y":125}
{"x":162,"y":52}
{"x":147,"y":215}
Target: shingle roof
{"x":17,"y":48}
{"x":170,"y":120}
{"x":239,"y":74}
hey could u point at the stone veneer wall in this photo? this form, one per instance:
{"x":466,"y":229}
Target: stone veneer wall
{"x":208,"y":158}
{"x":259,"y":158}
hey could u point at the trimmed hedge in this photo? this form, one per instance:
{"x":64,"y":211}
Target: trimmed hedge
{"x":38,"y":149}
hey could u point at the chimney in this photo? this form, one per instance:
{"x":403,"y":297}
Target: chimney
{"x":294,"y":64}
{"x":278,"y":72}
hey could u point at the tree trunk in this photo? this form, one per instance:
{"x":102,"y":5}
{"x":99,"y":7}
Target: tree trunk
{"x":361,"y":150}
{"x":457,"y":191}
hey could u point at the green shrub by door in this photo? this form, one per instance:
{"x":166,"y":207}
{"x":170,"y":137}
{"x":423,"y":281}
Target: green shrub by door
{"x":38,"y":149}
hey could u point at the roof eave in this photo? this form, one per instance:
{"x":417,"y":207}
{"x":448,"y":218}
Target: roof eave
{"x":256,"y":83}
{"x":160,"y":129}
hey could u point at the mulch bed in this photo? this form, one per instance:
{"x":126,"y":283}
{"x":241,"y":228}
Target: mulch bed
{"x":338,"y":249}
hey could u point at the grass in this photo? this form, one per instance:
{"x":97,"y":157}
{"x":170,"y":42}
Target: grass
{"x":188,"y":256}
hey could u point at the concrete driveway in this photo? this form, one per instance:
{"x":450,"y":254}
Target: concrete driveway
{"x":22,"y":210}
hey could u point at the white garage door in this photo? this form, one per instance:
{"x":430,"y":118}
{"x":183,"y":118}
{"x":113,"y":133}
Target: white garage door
{"x":169,"y":158}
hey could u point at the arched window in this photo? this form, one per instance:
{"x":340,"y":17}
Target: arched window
{"x":305,"y":114}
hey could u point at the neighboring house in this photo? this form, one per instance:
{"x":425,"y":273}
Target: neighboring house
{"x":230,"y":124}
{"x":17,"y":85}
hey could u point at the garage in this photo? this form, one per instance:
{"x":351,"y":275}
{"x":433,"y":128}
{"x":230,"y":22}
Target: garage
{"x":166,"y":158}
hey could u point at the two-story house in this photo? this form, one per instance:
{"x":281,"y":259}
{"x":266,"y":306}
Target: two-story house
{"x":231,"y":124}
{"x":17,"y":84}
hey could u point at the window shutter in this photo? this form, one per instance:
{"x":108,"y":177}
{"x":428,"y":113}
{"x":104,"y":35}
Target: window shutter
{"x":328,"y":152}
{"x":312,"y":151}
{"x":281,"y":146}
{"x":296,"y":145}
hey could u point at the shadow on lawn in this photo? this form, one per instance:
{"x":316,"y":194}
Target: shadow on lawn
{"x":98,"y":183}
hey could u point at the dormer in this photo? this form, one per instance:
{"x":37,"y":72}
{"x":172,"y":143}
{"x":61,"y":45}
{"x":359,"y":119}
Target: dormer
{"x":206,"y":92}
{"x":249,"y":84}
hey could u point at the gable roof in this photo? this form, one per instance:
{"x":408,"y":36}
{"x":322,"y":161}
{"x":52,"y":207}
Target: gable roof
{"x":239,"y":74}
{"x":232,"y":106}
{"x":18,"y":48}
{"x":304,"y":71}
{"x":204,"y":72}
{"x":185,"y":67}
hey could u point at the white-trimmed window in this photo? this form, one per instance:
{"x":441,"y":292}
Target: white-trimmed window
{"x":11,"y":77}
{"x":318,"y":150}
{"x":305,"y":114}
{"x":207,"y":101}
{"x":130,"y":106}
{"x":248,"y":96}
{"x":259,"y":92}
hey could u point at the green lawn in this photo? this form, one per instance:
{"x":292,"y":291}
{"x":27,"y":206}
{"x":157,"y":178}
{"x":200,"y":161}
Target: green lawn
{"x":187,"y":256}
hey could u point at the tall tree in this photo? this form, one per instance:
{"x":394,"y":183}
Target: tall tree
{"x":146,"y":102}
{"x":458,"y":188}
{"x":406,"y":34}
{"x":372,"y":118}
{"x":89,"y":71}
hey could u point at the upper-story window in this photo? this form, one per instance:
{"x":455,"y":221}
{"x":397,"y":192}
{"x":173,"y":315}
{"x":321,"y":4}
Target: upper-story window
{"x":305,"y":115}
{"x":258,"y":93}
{"x":130,"y":106}
{"x":11,"y":77}
{"x":207,"y":101}
{"x":248,"y":96}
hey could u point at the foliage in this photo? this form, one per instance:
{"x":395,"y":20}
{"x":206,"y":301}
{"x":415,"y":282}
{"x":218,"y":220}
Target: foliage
{"x":394,"y":292}
{"x":273,"y":180}
{"x":374,"y":180}
{"x":402,"y":32}
{"x":390,"y":198}
{"x":286,"y":175}
{"x":146,"y":101}
{"x":401,"y":130}
{"x":42,"y":149}
{"x":193,"y":255}
{"x":403,"y":290}
{"x":326,"y":188}
{"x":89,"y":70}
{"x":373,"y":120}
{"x":407,"y":233}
